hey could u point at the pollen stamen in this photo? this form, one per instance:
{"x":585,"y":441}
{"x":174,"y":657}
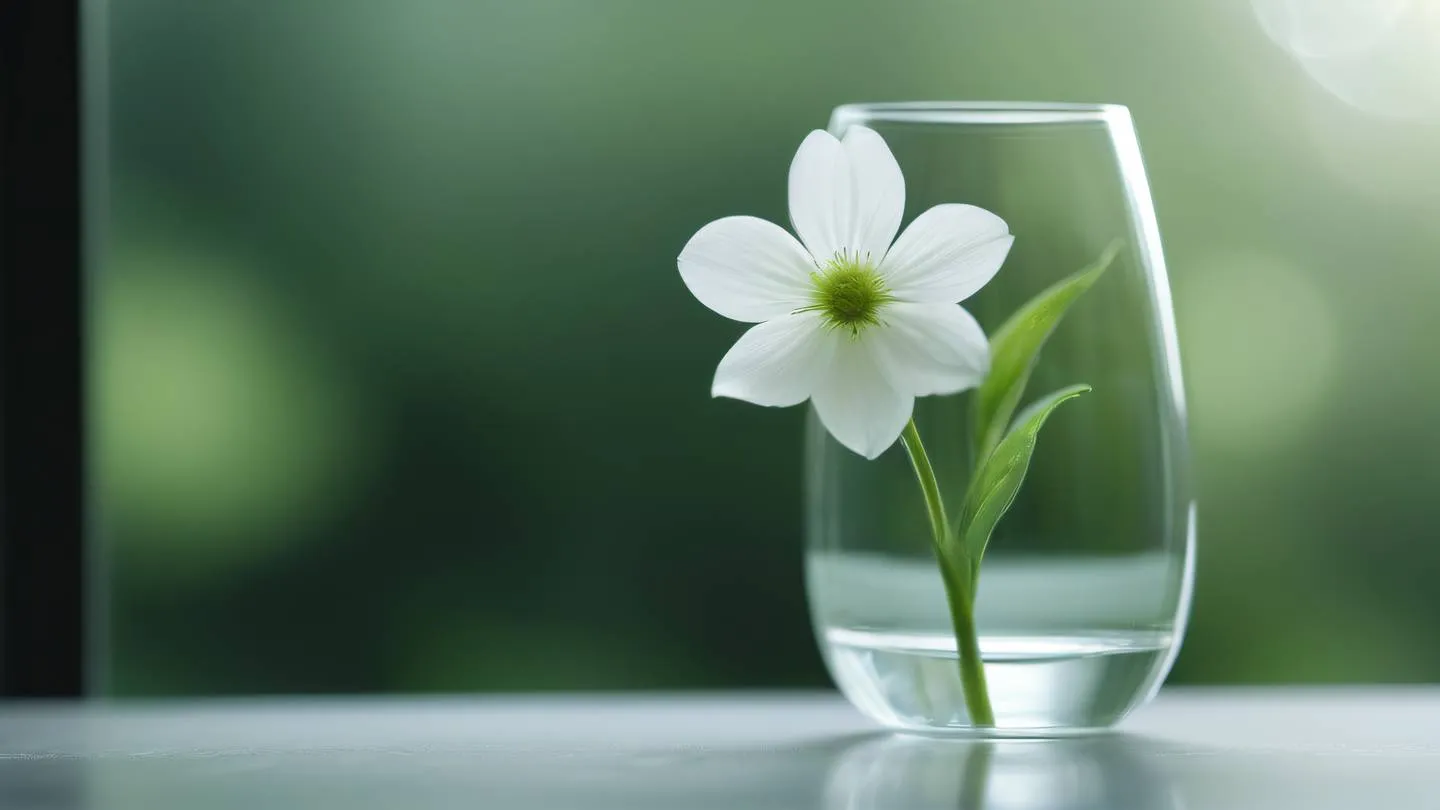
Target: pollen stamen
{"x":849,"y":293}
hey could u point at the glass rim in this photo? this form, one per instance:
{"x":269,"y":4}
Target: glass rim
{"x":978,"y":112}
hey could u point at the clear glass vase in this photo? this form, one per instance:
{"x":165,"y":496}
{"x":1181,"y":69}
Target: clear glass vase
{"x":1085,"y":587}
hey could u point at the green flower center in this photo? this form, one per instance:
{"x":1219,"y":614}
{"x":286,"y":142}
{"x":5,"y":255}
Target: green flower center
{"x":848,"y":293}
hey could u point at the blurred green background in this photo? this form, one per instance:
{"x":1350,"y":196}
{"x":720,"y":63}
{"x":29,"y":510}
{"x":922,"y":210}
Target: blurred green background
{"x":396,"y":387}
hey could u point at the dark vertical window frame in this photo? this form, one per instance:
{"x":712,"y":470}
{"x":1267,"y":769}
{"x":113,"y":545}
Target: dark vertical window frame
{"x":42,"y":414}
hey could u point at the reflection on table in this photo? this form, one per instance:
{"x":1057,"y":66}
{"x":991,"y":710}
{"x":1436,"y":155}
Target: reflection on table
{"x":1198,"y":750}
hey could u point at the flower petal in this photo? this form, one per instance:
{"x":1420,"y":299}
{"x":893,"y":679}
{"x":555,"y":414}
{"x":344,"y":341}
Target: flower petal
{"x":820,"y":195}
{"x":846,"y":196}
{"x":946,"y":255}
{"x":747,"y":269}
{"x":777,"y":362}
{"x":856,"y":403}
{"x":879,"y":193}
{"x":926,"y":349}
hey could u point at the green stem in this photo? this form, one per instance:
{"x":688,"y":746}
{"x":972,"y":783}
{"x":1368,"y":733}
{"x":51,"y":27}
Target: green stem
{"x":967,"y":642}
{"x":957,"y":585}
{"x":939,"y":523}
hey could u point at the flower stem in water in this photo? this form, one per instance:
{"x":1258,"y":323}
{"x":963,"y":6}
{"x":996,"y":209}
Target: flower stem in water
{"x":957,"y":576}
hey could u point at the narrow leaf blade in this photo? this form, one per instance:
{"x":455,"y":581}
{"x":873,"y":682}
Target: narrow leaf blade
{"x":1016,"y":344}
{"x":998,"y":480}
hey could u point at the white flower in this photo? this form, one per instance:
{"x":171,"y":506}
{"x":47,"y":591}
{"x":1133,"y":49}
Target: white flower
{"x":847,"y":319}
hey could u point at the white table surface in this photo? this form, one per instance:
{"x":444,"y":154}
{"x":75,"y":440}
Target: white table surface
{"x":1351,"y":748}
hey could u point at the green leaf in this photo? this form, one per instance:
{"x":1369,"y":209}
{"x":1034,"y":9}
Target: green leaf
{"x":998,"y":480}
{"x":1016,"y":345}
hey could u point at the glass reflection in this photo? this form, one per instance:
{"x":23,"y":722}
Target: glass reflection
{"x":1104,"y":773}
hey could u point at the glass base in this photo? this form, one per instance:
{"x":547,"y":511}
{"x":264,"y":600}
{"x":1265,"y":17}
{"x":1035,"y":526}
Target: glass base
{"x":1040,"y":685}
